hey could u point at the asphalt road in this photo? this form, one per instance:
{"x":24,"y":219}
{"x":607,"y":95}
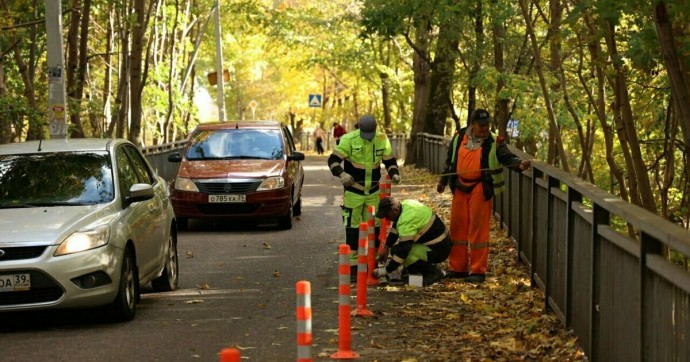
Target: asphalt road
{"x":237,"y":289}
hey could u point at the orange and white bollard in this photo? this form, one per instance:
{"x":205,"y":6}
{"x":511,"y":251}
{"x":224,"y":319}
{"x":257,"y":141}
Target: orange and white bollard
{"x":304,"y":336}
{"x":371,"y":252}
{"x":230,"y":355}
{"x":344,"y":323}
{"x":362,"y":310}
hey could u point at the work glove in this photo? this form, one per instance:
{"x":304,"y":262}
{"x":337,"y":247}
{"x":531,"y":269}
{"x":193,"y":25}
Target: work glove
{"x":379,"y":272}
{"x":383,"y":256}
{"x":440,"y":188}
{"x":396,"y":178}
{"x":346,"y":179}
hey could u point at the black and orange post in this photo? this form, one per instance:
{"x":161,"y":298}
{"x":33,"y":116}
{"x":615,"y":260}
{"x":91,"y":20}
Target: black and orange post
{"x":344,"y":322}
{"x":304,"y":336}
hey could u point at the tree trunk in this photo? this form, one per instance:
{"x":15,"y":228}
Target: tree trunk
{"x":599,"y":105}
{"x":172,"y":74}
{"x":122,"y":99}
{"x":501,"y":115}
{"x":476,"y":64}
{"x":5,"y":124}
{"x":442,"y":74}
{"x":73,"y":57}
{"x":666,"y":173}
{"x":107,"y":81}
{"x":556,"y":12}
{"x":422,"y":79}
{"x":638,"y":172}
{"x":677,"y":65}
{"x":77,"y":90}
{"x":553,"y":128}
{"x":136,"y":73}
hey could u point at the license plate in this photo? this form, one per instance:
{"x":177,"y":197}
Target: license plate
{"x":227,"y":198}
{"x":15,"y":282}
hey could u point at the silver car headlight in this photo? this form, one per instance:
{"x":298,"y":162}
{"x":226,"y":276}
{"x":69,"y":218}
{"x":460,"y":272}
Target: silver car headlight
{"x":272,"y":183}
{"x":84,"y":240}
{"x":185,"y":184}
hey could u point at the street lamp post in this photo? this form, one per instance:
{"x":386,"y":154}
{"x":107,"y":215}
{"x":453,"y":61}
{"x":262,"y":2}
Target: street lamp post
{"x":57,"y":94}
{"x":219,"y":66}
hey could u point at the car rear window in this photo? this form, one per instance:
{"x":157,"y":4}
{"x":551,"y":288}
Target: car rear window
{"x":69,"y":178}
{"x":236,"y":144}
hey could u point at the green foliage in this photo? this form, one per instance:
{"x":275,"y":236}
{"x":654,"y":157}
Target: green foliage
{"x":17,"y":114}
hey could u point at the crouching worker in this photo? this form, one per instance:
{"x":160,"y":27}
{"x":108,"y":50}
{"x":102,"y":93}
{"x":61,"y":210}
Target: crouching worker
{"x":418,"y":239}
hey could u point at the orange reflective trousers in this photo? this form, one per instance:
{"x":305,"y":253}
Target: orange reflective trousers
{"x":470,"y":217}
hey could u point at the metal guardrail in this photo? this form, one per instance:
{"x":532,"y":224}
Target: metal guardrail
{"x":619,"y":294}
{"x":398,"y":143}
{"x":158,"y":158}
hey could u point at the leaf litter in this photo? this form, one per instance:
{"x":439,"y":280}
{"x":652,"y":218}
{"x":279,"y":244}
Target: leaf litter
{"x":502,"y":319}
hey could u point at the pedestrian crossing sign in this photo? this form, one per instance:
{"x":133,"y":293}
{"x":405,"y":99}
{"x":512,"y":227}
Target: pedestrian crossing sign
{"x":315,"y":100}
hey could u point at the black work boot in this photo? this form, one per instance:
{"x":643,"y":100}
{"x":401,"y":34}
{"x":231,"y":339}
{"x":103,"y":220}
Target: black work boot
{"x":432,"y":278}
{"x":476,"y":278}
{"x":456,"y":275}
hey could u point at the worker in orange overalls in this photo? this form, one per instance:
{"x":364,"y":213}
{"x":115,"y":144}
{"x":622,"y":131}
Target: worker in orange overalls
{"x":474,"y":170}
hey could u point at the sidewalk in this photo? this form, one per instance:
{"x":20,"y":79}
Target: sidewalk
{"x":502,"y":319}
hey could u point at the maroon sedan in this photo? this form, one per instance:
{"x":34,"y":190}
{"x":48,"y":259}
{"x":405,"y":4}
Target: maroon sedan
{"x":245,"y":170}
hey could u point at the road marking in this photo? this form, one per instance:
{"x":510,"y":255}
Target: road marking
{"x":257,"y":257}
{"x":197,"y":293}
{"x":315,"y":168}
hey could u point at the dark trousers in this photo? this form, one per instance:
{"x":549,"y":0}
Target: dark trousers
{"x":439,"y":253}
{"x":319,"y":145}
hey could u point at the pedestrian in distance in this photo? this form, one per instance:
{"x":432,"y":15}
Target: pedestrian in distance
{"x":357,"y":161}
{"x":338,"y":132}
{"x":474,"y":172}
{"x":318,"y":135}
{"x":417,"y":240}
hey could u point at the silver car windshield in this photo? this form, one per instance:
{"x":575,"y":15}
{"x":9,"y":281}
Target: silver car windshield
{"x":52,"y":179}
{"x":236,"y":144}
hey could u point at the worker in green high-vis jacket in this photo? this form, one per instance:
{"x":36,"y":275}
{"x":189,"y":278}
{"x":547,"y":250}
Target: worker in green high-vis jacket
{"x":357,"y":162}
{"x":418,"y":240}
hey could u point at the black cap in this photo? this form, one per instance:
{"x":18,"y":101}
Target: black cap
{"x":367,"y":127}
{"x":481,"y":116}
{"x":385,"y":206}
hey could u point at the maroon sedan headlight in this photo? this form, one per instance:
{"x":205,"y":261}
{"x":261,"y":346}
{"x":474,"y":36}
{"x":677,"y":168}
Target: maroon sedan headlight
{"x":272,"y":183}
{"x":185,"y":184}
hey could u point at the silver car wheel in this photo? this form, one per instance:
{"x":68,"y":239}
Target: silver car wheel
{"x":167,"y":281}
{"x":128,"y":274}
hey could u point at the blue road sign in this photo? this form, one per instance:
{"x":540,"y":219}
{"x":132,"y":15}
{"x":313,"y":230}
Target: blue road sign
{"x":315,"y":100}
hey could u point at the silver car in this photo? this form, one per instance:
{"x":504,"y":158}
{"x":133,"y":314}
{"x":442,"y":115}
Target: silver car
{"x":83,"y":223}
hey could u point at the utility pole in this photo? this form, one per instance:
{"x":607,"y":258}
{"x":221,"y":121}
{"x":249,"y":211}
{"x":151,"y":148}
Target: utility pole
{"x":219,"y":66}
{"x":57,"y":105}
